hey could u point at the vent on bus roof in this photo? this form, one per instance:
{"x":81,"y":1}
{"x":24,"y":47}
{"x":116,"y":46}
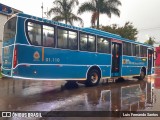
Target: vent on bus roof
{"x":100,"y":32}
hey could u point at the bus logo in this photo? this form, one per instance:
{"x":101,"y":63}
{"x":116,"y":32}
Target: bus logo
{"x":36,"y":55}
{"x":124,"y":61}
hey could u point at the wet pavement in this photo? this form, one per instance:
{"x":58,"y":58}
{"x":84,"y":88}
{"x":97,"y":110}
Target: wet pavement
{"x":130,"y":95}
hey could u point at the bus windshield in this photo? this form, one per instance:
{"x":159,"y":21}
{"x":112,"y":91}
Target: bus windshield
{"x":10,"y":29}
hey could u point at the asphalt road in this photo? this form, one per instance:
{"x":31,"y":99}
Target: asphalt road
{"x":30,"y":95}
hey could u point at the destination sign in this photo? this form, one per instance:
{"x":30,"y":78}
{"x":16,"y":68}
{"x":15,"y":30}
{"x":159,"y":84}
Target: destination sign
{"x":5,"y":9}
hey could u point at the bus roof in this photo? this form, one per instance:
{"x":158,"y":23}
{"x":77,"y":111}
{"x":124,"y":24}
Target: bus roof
{"x":88,"y":30}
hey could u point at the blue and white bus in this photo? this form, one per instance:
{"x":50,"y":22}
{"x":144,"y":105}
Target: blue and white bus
{"x":40,"y":49}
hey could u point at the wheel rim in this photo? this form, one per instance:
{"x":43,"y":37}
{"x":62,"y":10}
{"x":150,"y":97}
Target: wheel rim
{"x":94,"y":77}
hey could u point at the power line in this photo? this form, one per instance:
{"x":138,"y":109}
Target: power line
{"x":149,"y":28}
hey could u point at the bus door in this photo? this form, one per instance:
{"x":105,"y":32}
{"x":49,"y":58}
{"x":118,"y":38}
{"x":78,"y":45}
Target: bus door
{"x":116,"y":58}
{"x":150,"y":61}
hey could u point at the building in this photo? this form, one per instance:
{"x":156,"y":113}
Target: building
{"x":158,"y":57}
{"x":5,"y":13}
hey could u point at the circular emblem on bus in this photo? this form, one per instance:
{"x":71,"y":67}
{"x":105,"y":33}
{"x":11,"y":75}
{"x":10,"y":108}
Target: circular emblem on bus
{"x":36,"y":55}
{"x":124,"y":61}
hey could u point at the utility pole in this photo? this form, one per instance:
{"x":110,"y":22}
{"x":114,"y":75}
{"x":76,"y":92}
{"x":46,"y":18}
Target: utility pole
{"x":42,"y":9}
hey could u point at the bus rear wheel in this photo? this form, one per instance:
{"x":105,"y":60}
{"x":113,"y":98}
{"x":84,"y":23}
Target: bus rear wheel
{"x":93,"y":78}
{"x":142,"y":75}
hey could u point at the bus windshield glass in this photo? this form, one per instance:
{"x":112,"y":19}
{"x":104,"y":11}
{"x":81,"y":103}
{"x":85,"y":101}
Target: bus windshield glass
{"x":10,"y":29}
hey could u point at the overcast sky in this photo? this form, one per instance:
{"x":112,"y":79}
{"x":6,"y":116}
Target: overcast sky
{"x":144,"y":14}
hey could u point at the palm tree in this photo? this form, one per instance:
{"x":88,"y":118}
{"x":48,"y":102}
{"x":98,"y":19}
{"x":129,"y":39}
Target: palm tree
{"x":98,"y":7}
{"x":150,"y":41}
{"x":64,"y":11}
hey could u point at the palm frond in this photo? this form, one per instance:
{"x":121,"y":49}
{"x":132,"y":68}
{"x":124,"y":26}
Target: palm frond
{"x":58,"y":18}
{"x":73,"y":17}
{"x":58,"y":2}
{"x":87,"y":7}
{"x":55,"y":10}
{"x":115,"y":11}
{"x":70,"y":22}
{"x":115,"y":2}
{"x":111,"y":10}
{"x":72,"y":3}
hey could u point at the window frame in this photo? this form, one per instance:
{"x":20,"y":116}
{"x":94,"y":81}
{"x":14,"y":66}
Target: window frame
{"x":41,"y":24}
{"x":54,"y":38}
{"x":88,"y":34}
{"x":142,"y":48}
{"x":109,"y":41}
{"x":34,"y":22}
{"x":133,"y":50}
{"x":138,"y":50}
{"x":4,"y":31}
{"x":67,"y":29}
{"x":127,"y":50}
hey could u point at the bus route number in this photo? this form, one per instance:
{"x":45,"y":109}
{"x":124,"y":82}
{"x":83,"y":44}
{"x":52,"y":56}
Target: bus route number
{"x":56,"y":60}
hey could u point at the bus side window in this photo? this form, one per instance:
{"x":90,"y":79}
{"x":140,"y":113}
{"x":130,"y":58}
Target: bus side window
{"x":134,"y":49}
{"x":34,"y":32}
{"x":83,"y":42}
{"x":91,"y":43}
{"x":48,"y":36}
{"x":143,"y":51}
{"x":67,"y":39}
{"x":127,"y":49}
{"x":124,"y":48}
{"x":103,"y":45}
{"x":72,"y":40}
{"x":137,"y":50}
{"x":62,"y":39}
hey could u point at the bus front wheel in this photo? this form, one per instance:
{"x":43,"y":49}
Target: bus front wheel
{"x":93,"y":78}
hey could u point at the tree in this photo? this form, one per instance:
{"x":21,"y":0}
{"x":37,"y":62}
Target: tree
{"x":64,"y":11}
{"x":98,"y":7}
{"x":127,"y":31}
{"x":150,"y":41}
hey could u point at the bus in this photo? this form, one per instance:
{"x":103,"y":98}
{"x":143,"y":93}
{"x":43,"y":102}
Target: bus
{"x":41,"y":49}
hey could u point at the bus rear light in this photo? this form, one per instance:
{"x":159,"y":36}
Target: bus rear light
{"x":15,"y":58}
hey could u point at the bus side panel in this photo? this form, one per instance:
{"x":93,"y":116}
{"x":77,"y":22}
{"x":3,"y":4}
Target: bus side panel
{"x":55,"y":71}
{"x":106,"y":71}
{"x":132,"y":65}
{"x":129,"y":71}
{"x":43,"y":62}
{"x":58,"y":56}
{"x":51,"y":72}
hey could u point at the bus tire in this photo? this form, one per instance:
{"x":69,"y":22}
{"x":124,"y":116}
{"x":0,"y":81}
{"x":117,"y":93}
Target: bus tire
{"x":93,"y":78}
{"x":142,"y":75}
